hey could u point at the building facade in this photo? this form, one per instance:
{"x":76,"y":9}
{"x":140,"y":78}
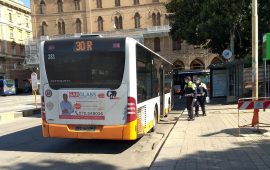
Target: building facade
{"x":144,"y":20}
{"x":15,"y":28}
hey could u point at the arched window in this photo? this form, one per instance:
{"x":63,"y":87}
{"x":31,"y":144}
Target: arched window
{"x":42,"y":7}
{"x":118,"y":22}
{"x":61,"y":27}
{"x":154,"y":21}
{"x":158,"y":19}
{"x":99,"y":3}
{"x":156,"y":44}
{"x":179,"y":65}
{"x":117,"y":2}
{"x":137,"y":20}
{"x":60,"y":5}
{"x":78,"y":26}
{"x":216,"y":60}
{"x":100,"y":23}
{"x":44,"y":28}
{"x":196,"y":64}
{"x":136,"y":2}
{"x":77,"y":5}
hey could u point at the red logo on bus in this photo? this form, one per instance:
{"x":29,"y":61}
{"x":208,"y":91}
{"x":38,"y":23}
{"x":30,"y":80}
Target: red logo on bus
{"x":77,"y":106}
{"x":74,"y":94}
{"x":101,"y":95}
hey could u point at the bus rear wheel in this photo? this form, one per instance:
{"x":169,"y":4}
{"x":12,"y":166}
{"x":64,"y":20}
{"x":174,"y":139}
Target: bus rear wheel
{"x":155,"y":121}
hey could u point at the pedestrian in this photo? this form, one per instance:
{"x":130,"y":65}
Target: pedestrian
{"x":190,"y":95}
{"x":201,"y":97}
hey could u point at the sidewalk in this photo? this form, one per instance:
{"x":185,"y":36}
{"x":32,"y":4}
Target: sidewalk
{"x":17,"y":106}
{"x":212,"y":142}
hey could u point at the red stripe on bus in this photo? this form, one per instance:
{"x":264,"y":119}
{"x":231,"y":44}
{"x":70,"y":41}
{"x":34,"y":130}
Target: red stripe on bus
{"x":82,"y":117}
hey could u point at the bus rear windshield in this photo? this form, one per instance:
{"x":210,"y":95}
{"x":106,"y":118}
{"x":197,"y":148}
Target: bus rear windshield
{"x":85,"y":63}
{"x":9,"y":83}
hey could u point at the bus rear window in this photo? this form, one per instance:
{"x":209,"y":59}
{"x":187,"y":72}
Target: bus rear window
{"x":9,"y":83}
{"x":99,"y":66}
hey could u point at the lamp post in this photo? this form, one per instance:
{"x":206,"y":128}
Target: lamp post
{"x":254,"y":50}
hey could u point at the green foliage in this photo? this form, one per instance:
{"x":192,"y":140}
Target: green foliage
{"x":199,"y":20}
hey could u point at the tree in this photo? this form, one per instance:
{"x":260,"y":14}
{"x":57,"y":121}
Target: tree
{"x":197,"y":21}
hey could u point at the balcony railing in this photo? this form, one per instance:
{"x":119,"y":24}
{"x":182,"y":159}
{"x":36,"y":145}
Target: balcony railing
{"x":162,"y":28}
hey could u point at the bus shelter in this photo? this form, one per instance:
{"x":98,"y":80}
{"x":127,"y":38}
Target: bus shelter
{"x":226,"y":80}
{"x":179,"y":78}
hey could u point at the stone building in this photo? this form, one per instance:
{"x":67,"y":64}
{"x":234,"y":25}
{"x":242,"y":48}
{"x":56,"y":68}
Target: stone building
{"x":15,"y":28}
{"x":144,"y":20}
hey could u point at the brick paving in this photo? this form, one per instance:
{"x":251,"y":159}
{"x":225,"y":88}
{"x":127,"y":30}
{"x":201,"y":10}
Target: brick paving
{"x":212,"y":142}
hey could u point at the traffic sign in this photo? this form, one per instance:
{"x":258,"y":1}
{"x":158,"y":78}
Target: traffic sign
{"x":34,"y":81}
{"x":227,"y":54}
{"x":266,"y":46}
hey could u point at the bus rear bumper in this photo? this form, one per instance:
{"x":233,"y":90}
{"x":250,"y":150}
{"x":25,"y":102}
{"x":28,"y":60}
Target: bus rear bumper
{"x":118,"y":132}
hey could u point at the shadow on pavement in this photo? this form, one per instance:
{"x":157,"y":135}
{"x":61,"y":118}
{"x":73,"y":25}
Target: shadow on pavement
{"x":234,"y":132}
{"x":31,"y":140}
{"x":61,"y":165}
{"x":243,"y":156}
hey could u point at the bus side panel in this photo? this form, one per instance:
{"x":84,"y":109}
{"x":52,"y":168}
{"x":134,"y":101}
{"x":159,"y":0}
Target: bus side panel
{"x":43,"y":76}
{"x":131,"y":65}
{"x":147,"y":115}
{"x":131,"y":71}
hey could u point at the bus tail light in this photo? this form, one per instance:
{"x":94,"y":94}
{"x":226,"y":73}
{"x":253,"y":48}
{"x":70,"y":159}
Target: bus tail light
{"x":131,"y":116}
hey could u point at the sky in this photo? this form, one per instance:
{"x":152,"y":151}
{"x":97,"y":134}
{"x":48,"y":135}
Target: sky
{"x":26,"y":3}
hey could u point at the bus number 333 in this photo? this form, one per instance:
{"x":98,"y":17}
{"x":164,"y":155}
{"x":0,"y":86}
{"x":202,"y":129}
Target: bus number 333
{"x":51,"y":57}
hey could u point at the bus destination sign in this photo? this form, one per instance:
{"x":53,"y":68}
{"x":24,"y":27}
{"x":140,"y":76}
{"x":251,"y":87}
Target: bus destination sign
{"x":83,"y":46}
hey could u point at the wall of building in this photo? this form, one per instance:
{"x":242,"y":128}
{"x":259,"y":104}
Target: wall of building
{"x":15,"y":28}
{"x":89,"y":13}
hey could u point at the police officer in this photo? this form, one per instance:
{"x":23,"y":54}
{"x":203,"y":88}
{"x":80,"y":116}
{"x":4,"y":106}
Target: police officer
{"x":190,"y":93}
{"x":201,"y":96}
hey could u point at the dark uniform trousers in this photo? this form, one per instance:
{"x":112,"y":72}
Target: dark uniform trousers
{"x":189,"y":105}
{"x":200,"y":102}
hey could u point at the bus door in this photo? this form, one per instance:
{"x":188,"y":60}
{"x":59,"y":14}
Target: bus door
{"x":161,"y":91}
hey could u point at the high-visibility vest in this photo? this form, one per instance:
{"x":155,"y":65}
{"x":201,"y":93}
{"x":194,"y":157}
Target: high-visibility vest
{"x":190,"y":87}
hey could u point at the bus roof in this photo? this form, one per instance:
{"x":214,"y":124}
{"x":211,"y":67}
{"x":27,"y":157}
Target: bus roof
{"x":152,"y":51}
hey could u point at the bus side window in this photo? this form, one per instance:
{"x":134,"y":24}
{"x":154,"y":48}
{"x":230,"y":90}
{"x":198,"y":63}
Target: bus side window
{"x":143,"y":66}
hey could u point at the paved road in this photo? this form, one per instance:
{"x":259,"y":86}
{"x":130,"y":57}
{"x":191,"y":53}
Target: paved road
{"x":23,"y":147}
{"x":18,"y":103}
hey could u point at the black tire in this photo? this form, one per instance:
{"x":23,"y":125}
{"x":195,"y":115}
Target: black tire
{"x":155,"y":121}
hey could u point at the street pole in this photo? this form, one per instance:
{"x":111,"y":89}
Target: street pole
{"x":255,"y":119}
{"x":254,"y":50}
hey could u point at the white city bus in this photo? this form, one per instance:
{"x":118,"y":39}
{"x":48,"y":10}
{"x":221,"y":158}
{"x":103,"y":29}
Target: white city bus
{"x":102,"y":88}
